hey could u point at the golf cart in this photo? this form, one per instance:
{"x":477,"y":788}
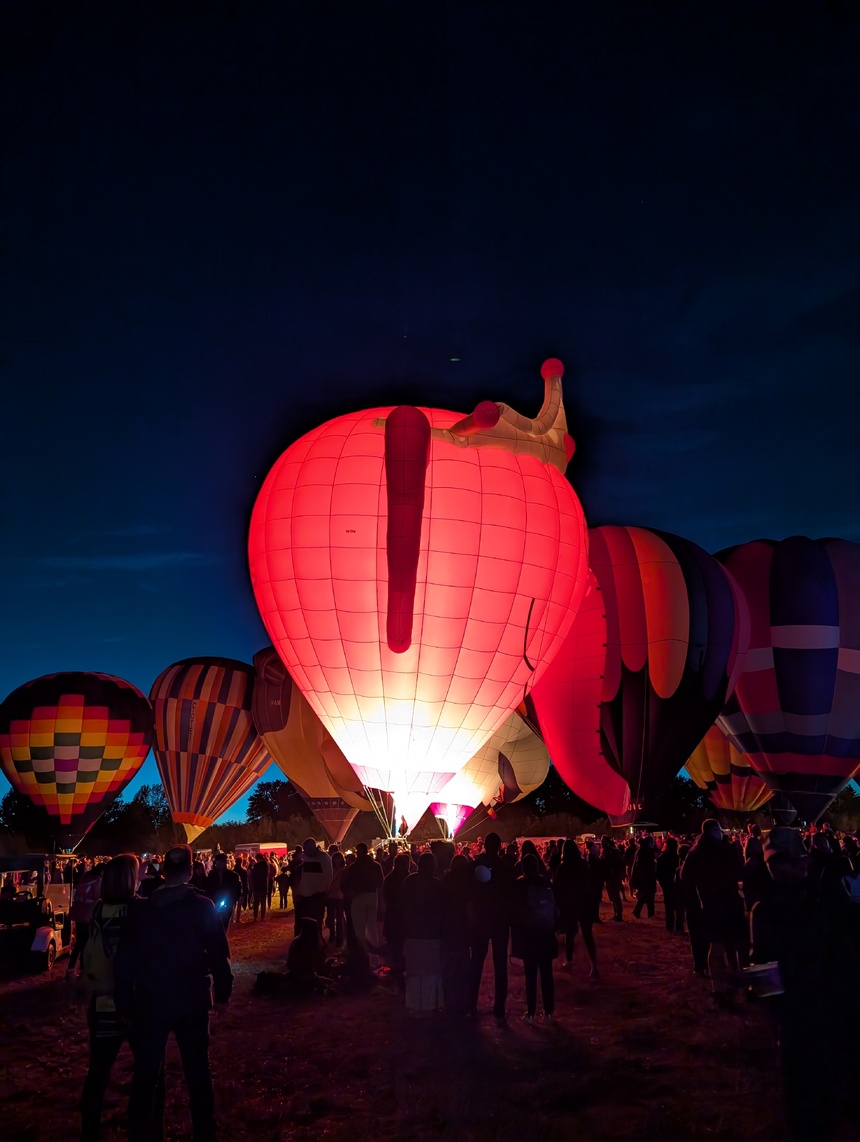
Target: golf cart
{"x":35,"y":921}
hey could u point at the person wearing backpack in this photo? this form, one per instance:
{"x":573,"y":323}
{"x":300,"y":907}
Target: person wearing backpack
{"x":533,"y":935}
{"x":106,"y":1031}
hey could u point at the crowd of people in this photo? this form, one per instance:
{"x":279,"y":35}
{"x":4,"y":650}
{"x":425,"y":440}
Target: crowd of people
{"x":153,"y":945}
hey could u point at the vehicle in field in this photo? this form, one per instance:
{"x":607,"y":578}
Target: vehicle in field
{"x":35,"y":921}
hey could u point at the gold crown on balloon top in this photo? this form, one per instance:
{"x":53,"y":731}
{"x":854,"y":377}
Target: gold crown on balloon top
{"x":494,"y":424}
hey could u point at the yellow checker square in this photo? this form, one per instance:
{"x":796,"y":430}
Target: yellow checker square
{"x":20,"y":753}
{"x":42,"y":738}
{"x":68,"y":725}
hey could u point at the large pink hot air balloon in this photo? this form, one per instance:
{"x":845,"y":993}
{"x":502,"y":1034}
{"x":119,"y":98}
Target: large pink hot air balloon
{"x":417,"y":571}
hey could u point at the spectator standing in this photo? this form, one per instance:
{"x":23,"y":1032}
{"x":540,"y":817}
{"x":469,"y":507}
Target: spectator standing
{"x":223,"y":887}
{"x":259,"y":880}
{"x":171,"y":955}
{"x":491,"y":924}
{"x":309,"y":895}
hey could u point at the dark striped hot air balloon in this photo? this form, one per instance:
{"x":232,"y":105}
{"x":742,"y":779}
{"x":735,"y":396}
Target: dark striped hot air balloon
{"x":207,"y":748}
{"x":303,"y":748}
{"x":676,"y":632}
{"x":798,"y":699}
{"x":726,"y":773}
{"x":71,"y":742}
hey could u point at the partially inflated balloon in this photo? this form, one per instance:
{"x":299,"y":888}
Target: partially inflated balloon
{"x":303,"y":748}
{"x":726,"y":773}
{"x":799,"y":694}
{"x":512,"y":763}
{"x":207,"y":748}
{"x":71,"y":742}
{"x":416,"y":571}
{"x":567,"y":707}
{"x":676,"y":633}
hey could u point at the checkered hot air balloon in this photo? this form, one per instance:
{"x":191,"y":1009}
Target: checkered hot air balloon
{"x":71,"y":742}
{"x":798,"y":699}
{"x":207,"y":747}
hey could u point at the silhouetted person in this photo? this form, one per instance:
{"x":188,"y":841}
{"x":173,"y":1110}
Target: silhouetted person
{"x":533,"y":938}
{"x":491,"y":924}
{"x":811,"y":929}
{"x":223,"y":887}
{"x":666,"y":867}
{"x":422,"y":915}
{"x":258,"y":878}
{"x":107,"y":1032}
{"x":172,"y":954}
{"x":571,"y":885}
{"x":712,"y":872}
{"x":643,"y":876}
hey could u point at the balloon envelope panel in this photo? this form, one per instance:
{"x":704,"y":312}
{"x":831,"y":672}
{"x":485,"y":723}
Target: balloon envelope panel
{"x":72,"y":741}
{"x":303,"y":748}
{"x":207,"y":748}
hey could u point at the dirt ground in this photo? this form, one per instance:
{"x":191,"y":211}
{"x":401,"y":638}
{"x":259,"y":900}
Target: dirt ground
{"x":639,"y":1054}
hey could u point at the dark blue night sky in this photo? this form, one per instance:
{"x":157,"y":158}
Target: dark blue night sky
{"x":223,"y":223}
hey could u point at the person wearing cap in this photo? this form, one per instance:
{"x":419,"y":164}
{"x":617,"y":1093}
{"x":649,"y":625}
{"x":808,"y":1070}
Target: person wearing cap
{"x":811,"y":928}
{"x":712,"y":872}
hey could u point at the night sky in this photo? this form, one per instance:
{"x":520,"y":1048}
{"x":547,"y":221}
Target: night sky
{"x":224,"y":223}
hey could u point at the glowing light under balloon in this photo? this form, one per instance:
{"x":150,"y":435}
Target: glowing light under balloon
{"x":511,"y":764}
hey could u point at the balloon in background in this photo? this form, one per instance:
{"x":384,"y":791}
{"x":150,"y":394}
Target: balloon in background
{"x":512,"y":763}
{"x":416,"y":571}
{"x":726,"y":773}
{"x":71,"y":742}
{"x":798,"y":699}
{"x":207,"y":748}
{"x":676,"y":634}
{"x":303,"y":748}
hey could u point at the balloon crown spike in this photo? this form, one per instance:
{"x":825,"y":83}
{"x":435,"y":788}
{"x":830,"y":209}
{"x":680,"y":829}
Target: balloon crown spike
{"x":494,"y":424}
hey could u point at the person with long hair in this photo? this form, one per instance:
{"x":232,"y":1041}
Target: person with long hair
{"x":106,"y":1032}
{"x":571,"y":885}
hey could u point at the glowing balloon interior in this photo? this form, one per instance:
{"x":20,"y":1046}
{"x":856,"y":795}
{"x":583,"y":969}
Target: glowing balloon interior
{"x":71,"y":742}
{"x":511,"y":764}
{"x":416,"y":572}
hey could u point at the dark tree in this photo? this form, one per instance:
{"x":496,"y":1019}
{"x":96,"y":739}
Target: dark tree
{"x":277,"y":801}
{"x":556,"y":797}
{"x":20,"y":818}
{"x":844,"y":813}
{"x":684,"y":806}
